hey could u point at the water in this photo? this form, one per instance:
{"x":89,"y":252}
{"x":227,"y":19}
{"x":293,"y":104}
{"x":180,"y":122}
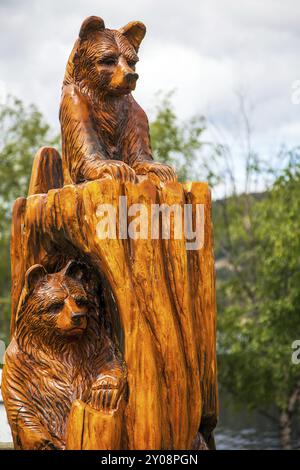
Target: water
{"x":242,"y":430}
{"x":245,"y":439}
{"x":250,"y":435}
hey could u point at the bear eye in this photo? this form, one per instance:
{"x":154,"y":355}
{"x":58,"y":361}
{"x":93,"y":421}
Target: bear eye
{"x":54,"y":308}
{"x":108,"y":60}
{"x":82,"y":302}
{"x":132,"y":63}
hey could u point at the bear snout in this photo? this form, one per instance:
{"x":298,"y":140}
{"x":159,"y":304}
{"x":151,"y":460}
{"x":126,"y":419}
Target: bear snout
{"x":131,"y":77}
{"x":78,"y":318}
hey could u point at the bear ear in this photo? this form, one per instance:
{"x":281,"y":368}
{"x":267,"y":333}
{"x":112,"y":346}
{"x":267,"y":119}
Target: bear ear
{"x":33,"y":275}
{"x":90,"y":25}
{"x":77,"y":270}
{"x":135,"y":32}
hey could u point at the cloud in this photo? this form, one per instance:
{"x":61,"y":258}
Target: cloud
{"x":207,"y":50}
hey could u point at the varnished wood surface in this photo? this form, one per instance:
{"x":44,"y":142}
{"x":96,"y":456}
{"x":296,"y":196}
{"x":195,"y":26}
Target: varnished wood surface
{"x":46,"y":171}
{"x":145,"y":377}
{"x":104,"y":130}
{"x":89,"y":429}
{"x":165,"y":298}
{"x":60,"y":351}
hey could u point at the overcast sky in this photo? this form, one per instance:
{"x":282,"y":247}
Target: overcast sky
{"x":208,"y":50}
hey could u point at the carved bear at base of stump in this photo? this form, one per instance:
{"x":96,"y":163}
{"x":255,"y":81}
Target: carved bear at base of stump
{"x":60,"y":352}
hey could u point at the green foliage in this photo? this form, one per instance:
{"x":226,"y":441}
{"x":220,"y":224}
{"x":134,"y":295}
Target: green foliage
{"x":22,"y":131}
{"x":257,"y":244}
{"x":258,"y":291}
{"x":176,"y":143}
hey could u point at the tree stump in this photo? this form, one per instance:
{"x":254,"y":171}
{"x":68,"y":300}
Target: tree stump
{"x":164,"y":310}
{"x":89,"y":429}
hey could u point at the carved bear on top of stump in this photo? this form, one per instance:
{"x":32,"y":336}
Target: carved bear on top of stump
{"x":104,"y":131}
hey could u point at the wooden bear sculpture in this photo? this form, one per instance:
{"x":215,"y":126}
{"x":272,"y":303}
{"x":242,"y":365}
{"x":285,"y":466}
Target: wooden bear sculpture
{"x":118,"y":352}
{"x":105,"y":133}
{"x":60,"y":352}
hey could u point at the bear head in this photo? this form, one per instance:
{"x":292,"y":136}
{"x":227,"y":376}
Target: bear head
{"x":55,"y":305}
{"x":103,"y":60}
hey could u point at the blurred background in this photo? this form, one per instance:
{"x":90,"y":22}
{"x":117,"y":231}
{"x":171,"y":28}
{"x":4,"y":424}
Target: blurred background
{"x":220,"y":81}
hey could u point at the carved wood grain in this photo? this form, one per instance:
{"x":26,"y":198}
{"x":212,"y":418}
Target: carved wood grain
{"x":89,"y":429}
{"x":165,"y":297}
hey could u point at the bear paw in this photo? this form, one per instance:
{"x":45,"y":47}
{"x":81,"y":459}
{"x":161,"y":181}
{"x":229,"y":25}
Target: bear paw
{"x":162,"y":171}
{"x":106,"y":393}
{"x":114,"y":169}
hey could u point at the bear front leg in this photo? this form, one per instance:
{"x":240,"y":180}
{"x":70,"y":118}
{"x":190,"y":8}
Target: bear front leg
{"x":84,"y":158}
{"x":137,"y":149}
{"x":109,"y":384}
